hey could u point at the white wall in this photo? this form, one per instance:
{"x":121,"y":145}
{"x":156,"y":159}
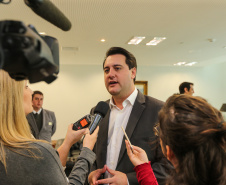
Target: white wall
{"x":73,"y":94}
{"x":79,"y":88}
{"x":209,"y":82}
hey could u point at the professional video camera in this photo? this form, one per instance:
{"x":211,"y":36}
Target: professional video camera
{"x":24,"y":53}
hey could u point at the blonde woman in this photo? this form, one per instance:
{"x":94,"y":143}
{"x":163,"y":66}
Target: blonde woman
{"x":24,"y":160}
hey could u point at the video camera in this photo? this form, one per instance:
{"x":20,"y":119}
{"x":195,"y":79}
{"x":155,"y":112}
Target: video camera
{"x":25,"y":54}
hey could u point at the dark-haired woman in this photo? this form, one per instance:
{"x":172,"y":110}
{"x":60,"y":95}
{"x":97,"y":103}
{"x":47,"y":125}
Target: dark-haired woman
{"x":193,"y":138}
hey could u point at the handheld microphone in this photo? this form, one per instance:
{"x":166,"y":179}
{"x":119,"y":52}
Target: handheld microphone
{"x":99,"y":113}
{"x":48,"y":11}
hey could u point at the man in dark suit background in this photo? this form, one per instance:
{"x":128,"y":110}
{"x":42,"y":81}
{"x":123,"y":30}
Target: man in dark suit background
{"x":42,"y":122}
{"x":136,"y":113}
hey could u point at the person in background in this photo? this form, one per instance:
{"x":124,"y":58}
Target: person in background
{"x":25,"y":160}
{"x":193,"y":137}
{"x":136,"y":113}
{"x":42,"y":122}
{"x":186,"y":88}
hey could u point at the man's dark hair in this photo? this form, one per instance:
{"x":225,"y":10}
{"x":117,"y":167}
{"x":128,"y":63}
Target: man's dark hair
{"x":184,"y":85}
{"x":130,"y":59}
{"x":36,"y":92}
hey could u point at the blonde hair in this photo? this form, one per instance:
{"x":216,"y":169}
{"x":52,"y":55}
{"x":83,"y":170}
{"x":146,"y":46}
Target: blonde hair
{"x":14,"y":129}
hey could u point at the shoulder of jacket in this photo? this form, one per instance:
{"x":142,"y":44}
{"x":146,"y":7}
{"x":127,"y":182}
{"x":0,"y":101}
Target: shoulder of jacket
{"x":48,"y":111}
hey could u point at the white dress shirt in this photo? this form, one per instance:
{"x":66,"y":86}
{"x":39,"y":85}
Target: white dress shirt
{"x":117,"y":119}
{"x":37,"y":112}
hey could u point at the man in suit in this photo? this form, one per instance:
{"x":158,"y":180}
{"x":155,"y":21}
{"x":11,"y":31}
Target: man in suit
{"x":186,"y":88}
{"x":133,"y":111}
{"x":42,"y":122}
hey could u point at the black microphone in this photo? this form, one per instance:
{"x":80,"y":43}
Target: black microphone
{"x":48,"y":11}
{"x":99,"y":113}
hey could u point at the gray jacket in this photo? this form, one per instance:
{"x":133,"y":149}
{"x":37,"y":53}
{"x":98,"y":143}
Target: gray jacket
{"x":44,"y":170}
{"x":48,"y":126}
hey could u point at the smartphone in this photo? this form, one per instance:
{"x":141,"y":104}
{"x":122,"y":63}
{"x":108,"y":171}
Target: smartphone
{"x":127,"y":139}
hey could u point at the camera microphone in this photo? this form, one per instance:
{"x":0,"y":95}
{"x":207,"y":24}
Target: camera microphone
{"x":48,"y":11}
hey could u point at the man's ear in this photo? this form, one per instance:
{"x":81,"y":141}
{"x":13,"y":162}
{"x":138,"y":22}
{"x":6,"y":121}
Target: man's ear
{"x":134,"y":72}
{"x":186,"y":89}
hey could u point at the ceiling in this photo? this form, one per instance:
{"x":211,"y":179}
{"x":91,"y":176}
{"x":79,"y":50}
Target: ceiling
{"x":195,"y":29}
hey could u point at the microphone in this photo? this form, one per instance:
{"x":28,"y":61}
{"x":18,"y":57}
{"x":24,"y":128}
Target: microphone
{"x":48,"y":11}
{"x":99,"y":113}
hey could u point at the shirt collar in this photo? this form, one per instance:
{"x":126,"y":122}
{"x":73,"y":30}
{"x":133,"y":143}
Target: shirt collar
{"x":131,"y":99}
{"x":40,"y":110}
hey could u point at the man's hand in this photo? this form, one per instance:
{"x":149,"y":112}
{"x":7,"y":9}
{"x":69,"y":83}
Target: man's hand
{"x":95,"y":175}
{"x":118,"y":178}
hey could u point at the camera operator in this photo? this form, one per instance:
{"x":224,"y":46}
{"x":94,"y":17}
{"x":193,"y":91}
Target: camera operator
{"x":23,"y":156}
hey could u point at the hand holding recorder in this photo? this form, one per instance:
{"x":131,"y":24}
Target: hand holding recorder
{"x":90,"y":140}
{"x":137,"y":156}
{"x":92,"y":121}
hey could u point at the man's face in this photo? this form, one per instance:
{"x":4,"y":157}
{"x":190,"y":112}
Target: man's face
{"x":37,"y":101}
{"x":118,"y":77}
{"x":190,"y":92}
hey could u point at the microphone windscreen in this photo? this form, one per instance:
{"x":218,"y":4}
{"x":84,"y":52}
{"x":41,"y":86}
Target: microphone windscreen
{"x":101,"y":108}
{"x":48,"y":11}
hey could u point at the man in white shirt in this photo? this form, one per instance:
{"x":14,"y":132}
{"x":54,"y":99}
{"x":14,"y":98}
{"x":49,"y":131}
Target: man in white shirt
{"x":42,"y":122}
{"x":136,"y":113}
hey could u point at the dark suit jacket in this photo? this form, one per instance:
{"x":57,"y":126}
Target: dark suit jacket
{"x":48,"y":126}
{"x":139,"y":129}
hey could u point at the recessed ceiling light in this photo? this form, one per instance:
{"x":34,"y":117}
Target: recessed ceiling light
{"x":185,"y":63}
{"x":42,"y":33}
{"x":155,"y":41}
{"x":102,"y":40}
{"x":179,"y":63}
{"x":136,"y":40}
{"x":190,"y":63}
